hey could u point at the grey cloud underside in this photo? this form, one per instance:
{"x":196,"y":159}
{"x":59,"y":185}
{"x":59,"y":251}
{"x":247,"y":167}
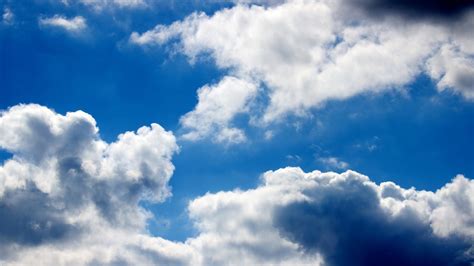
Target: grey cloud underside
{"x":349,"y":227}
{"x":69,"y":198}
{"x":297,"y":218}
{"x":27,"y":220}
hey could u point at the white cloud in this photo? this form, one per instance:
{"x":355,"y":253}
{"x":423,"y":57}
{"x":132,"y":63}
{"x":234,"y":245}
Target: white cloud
{"x":453,"y":69}
{"x":75,"y":25}
{"x":217,"y":106}
{"x":68,"y":197}
{"x":99,"y":5}
{"x":308,"y":52}
{"x":293,"y":218}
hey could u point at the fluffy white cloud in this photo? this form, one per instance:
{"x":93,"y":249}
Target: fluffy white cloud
{"x":216,"y":108}
{"x":266,"y":225}
{"x":75,"y":25}
{"x":297,"y":218}
{"x":67,"y":197}
{"x":308,"y":52}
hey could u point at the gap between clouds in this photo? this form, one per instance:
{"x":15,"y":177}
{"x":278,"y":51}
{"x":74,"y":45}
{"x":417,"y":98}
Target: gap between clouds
{"x":301,"y":54}
{"x":68,"y":197}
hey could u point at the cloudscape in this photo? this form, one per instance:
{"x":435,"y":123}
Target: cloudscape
{"x":245,"y":132}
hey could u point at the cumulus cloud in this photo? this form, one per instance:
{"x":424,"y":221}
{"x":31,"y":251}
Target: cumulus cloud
{"x":67,"y":193}
{"x":309,"y":52}
{"x":75,"y":25}
{"x":68,"y":197}
{"x":216,"y":108}
{"x":297,"y":218}
{"x":353,"y":228}
{"x":453,"y":69}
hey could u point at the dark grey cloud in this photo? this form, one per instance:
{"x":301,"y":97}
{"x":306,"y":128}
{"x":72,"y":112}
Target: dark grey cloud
{"x":28,"y":218}
{"x":437,"y":9}
{"x":347,"y":225}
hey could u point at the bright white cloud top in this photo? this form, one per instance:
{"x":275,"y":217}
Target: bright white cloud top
{"x":68,"y":197}
{"x":308,"y":52}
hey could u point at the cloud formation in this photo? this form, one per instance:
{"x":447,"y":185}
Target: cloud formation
{"x":297,"y":218}
{"x":64,"y":187}
{"x":353,"y":229}
{"x":308,"y":52}
{"x":74,"y":25}
{"x":101,"y":4}
{"x":68,"y":197}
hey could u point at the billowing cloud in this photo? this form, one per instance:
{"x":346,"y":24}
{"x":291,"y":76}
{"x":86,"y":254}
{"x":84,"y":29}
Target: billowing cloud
{"x":101,"y":4}
{"x":74,"y":25}
{"x":347,"y":224}
{"x":308,"y":52}
{"x":69,"y":198}
{"x":67,"y":193}
{"x":297,"y":218}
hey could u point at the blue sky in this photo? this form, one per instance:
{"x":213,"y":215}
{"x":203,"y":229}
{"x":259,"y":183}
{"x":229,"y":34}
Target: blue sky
{"x":411,"y":132}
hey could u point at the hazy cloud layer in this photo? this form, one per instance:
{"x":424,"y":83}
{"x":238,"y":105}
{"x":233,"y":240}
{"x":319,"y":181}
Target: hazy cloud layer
{"x":309,"y":52}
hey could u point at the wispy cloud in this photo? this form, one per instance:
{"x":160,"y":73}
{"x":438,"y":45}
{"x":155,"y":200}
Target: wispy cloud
{"x":8,"y":16}
{"x":333,"y":162}
{"x":99,"y":5}
{"x":76,"y":24}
